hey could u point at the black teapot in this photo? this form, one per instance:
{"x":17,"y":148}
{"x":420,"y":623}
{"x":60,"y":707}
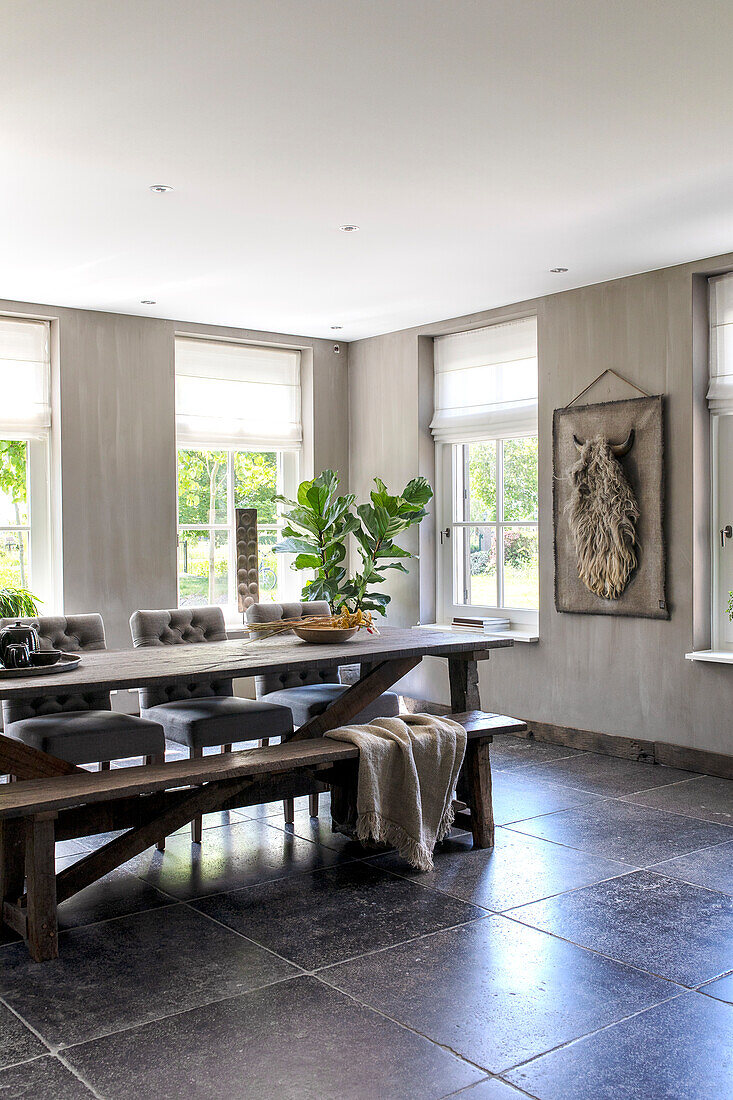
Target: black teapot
{"x":19,"y":634}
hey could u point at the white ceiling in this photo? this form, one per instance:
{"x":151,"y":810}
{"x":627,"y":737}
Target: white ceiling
{"x":476,"y":142}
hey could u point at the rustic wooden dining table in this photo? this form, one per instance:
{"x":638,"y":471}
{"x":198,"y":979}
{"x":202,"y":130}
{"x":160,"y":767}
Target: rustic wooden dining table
{"x":66,"y":801}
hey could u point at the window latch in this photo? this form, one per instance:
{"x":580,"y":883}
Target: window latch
{"x":725,"y":533}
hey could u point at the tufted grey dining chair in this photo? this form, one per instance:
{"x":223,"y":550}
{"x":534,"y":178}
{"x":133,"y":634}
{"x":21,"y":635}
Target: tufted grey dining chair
{"x":308,"y":692}
{"x":201,"y":714}
{"x":79,"y":726}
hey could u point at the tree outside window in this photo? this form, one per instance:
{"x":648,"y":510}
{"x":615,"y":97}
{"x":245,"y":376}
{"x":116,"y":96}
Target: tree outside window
{"x":211,"y":484}
{"x":15,"y":530}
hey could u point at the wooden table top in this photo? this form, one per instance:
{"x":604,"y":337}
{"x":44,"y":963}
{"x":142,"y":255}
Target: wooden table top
{"x":241,"y":657}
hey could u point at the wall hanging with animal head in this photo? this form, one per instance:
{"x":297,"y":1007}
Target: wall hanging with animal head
{"x":608,"y":493}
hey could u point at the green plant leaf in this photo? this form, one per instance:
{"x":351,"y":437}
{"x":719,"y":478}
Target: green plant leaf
{"x":306,"y":561}
{"x":295,"y":546}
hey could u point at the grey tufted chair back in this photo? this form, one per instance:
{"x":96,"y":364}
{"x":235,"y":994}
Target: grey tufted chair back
{"x":72,"y":634}
{"x":272,"y":612}
{"x":180,"y":626}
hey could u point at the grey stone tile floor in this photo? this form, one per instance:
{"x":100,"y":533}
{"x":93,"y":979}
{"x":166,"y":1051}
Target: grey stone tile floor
{"x":588,"y":956}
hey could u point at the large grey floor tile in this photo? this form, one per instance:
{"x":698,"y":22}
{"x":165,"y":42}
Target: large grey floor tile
{"x":294,"y":1041}
{"x":606,"y":775}
{"x":116,"y":895}
{"x":491,"y":1088}
{"x":631,"y":834}
{"x":721,"y":988}
{"x":319,"y":831}
{"x":227,"y":859}
{"x":664,"y":926}
{"x":508,"y":752}
{"x":517,"y":798}
{"x":314,"y":920}
{"x":683,"y":1048}
{"x":517,"y":870}
{"x":133,"y":969}
{"x":495,"y":992}
{"x":275,"y":809}
{"x":17,"y":1042}
{"x":43,"y":1079}
{"x":711,"y":867}
{"x":66,"y":848}
{"x":706,"y":797}
{"x":216,"y":820}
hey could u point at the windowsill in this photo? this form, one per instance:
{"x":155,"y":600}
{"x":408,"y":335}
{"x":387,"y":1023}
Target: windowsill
{"x":517,"y":634}
{"x":236,"y":630}
{"x":711,"y":656}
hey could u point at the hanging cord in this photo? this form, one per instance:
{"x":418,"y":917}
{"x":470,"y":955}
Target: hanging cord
{"x":608,"y":370}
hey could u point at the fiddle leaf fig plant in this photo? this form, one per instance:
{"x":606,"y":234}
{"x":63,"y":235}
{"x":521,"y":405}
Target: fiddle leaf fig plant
{"x":18,"y":603}
{"x":319,"y":524}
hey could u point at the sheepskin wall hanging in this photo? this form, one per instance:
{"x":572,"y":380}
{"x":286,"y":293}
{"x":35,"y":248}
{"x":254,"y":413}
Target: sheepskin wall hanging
{"x":608,"y":508}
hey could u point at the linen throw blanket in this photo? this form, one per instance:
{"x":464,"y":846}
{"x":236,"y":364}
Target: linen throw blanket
{"x":408,"y":770}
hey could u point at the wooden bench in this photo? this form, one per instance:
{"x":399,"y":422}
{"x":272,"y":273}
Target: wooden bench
{"x":155,"y":800}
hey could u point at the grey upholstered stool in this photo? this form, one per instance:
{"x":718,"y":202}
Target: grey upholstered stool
{"x":199,"y":715}
{"x":310,"y":691}
{"x":80,"y":727}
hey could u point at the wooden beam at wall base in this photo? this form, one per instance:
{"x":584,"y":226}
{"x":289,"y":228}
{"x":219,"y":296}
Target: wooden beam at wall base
{"x":703,"y":761}
{"x":694,"y":760}
{"x":688,"y":759}
{"x":607,"y":744}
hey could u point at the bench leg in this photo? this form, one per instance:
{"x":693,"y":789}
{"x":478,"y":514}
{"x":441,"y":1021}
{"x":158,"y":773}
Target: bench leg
{"x":41,"y":876}
{"x":313,"y":805}
{"x":476,"y":788}
{"x":289,"y":810}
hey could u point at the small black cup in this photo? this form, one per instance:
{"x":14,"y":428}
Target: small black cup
{"x":17,"y":655}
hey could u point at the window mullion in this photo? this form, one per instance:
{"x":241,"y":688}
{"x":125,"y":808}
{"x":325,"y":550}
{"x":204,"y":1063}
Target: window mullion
{"x":499,"y":523}
{"x":232,"y":527}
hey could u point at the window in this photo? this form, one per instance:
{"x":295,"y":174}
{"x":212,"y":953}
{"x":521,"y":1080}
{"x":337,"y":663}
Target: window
{"x":720,"y":402}
{"x":238,"y":429}
{"x":25,"y":423}
{"x":485,"y":427}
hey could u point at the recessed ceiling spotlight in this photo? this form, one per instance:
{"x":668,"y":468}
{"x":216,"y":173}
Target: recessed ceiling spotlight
{"x":160,"y":188}
{"x":147,"y":301}
{"x":558,"y":270}
{"x":334,"y":327}
{"x":349,"y":228}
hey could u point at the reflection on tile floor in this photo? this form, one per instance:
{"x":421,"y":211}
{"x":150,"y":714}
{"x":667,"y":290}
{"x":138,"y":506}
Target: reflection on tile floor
{"x":589,"y":955}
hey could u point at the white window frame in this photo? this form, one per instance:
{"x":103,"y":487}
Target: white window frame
{"x":446,"y":457}
{"x":42,"y":567}
{"x":288,"y":467}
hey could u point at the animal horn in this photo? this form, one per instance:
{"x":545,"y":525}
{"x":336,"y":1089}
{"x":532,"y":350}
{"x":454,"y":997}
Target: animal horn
{"x":578,"y":443}
{"x":621,"y":449}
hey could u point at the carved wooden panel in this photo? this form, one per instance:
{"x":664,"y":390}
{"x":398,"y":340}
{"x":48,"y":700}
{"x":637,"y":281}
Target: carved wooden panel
{"x":248,"y":573}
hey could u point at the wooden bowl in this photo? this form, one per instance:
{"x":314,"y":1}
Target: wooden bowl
{"x":325,"y":635}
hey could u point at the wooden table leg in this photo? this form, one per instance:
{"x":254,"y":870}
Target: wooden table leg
{"x":464,"y":689}
{"x":41,"y":876}
{"x":12,"y":860}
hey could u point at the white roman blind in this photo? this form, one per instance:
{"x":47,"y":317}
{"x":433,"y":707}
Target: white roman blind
{"x":237,"y":395}
{"x":25,"y":378}
{"x":720,"y":391}
{"x":486,"y":383}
